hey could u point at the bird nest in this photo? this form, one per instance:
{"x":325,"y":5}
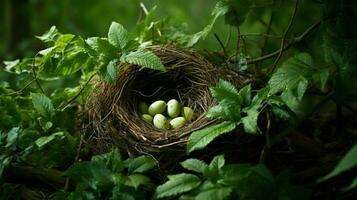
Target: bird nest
{"x":113,"y":107}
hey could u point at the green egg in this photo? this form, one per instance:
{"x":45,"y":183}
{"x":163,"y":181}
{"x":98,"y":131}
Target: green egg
{"x":158,"y":107}
{"x":178,"y":122}
{"x":187,"y":113}
{"x":173,"y":108}
{"x":160,"y":121}
{"x":146,"y":117}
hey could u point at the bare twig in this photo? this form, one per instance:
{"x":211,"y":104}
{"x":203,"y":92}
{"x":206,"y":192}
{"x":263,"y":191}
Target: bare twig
{"x":35,"y":75}
{"x":284,"y":36}
{"x":77,"y":95}
{"x":294,"y":41}
{"x":22,"y":89}
{"x":222,"y":45}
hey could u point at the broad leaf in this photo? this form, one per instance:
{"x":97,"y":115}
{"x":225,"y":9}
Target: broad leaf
{"x":72,"y":62}
{"x":118,"y":35}
{"x":194,"y":165}
{"x":225,"y":91}
{"x":89,"y":174}
{"x":346,"y":163}
{"x":111,"y":75}
{"x":201,"y":138}
{"x":135,"y":180}
{"x":177,"y":184}
{"x":219,"y":193}
{"x":140,"y":164}
{"x":227,"y":112}
{"x":250,"y":122}
{"x":293,"y":77}
{"x":42,"y":141}
{"x":42,"y":104}
{"x":143,"y":58}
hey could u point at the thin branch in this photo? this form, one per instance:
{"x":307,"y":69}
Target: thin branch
{"x":262,"y":35}
{"x":77,"y":95}
{"x":22,"y":89}
{"x":222,"y":45}
{"x":294,"y":41}
{"x":35,"y":75}
{"x":282,"y":44}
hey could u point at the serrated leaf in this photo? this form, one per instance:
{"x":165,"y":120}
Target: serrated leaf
{"x":194,"y":165}
{"x":42,"y":104}
{"x":225,"y":91}
{"x":234,"y":173}
{"x":201,"y":138}
{"x":140,"y":164}
{"x":118,"y":35}
{"x":177,"y":184}
{"x":143,"y":58}
{"x":42,"y":141}
{"x":346,"y":163}
{"x":227,"y":112}
{"x":111,"y":160}
{"x":219,"y":193}
{"x":293,"y":77}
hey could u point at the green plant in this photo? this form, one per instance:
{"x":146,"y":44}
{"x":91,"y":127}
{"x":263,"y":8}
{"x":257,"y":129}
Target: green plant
{"x":218,"y":181}
{"x":108,"y":176}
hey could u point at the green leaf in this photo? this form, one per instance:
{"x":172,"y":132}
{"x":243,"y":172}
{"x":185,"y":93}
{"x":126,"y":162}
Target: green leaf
{"x":42,"y":141}
{"x":263,"y":172}
{"x":346,"y":163}
{"x":111,"y":75}
{"x":118,"y":35}
{"x":234,"y":173}
{"x":250,"y":122}
{"x":50,"y":35}
{"x":89,"y":174}
{"x":72,"y":62}
{"x":10,"y":65}
{"x":42,"y":104}
{"x":351,"y":186}
{"x":201,"y":138}
{"x":245,"y":95}
{"x":220,"y":9}
{"x":217,"y":162}
{"x":219,"y":193}
{"x":177,"y":184}
{"x":227,"y":112}
{"x":194,"y":165}
{"x":135,"y":180}
{"x":293,"y":77}
{"x":143,"y":58}
{"x":12,"y":137}
{"x":225,"y":91}
{"x":140,"y":164}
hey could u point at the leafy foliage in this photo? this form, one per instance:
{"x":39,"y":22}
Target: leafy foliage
{"x":108,"y":174}
{"x":219,"y":181}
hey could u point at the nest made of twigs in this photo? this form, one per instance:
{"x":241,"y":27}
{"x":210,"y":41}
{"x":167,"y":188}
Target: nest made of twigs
{"x":114,"y":117}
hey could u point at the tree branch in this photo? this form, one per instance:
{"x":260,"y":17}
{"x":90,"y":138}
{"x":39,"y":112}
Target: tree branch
{"x":284,"y":36}
{"x":294,"y":41}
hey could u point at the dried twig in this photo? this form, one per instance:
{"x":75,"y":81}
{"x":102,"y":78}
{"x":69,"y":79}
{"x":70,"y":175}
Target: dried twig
{"x":221,"y":44}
